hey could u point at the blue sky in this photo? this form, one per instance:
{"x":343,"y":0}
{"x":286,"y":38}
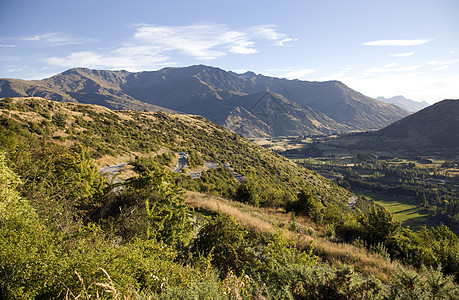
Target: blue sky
{"x":379,"y":48}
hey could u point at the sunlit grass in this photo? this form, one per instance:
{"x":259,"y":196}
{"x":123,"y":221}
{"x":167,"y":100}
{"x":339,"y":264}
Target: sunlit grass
{"x":268,"y":221}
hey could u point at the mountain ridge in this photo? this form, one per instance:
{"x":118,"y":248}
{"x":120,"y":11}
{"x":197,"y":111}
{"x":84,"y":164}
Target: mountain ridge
{"x":209,"y":92}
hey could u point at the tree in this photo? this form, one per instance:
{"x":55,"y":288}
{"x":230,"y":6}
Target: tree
{"x":59,"y":119}
{"x":81,"y":177}
{"x":248,"y":192}
{"x":380,"y":225}
{"x":306,"y":204}
{"x":167,"y":216}
{"x":25,"y":244}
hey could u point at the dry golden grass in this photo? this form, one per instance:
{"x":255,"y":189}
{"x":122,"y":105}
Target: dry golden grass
{"x":338,"y":253}
{"x":251,"y":219}
{"x":270,"y":220}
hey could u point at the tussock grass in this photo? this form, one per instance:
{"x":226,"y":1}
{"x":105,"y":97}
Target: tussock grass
{"x":269,"y":220}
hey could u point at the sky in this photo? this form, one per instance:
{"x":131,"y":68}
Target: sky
{"x":379,"y":48}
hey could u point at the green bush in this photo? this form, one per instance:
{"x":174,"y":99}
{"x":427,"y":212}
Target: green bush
{"x":227,"y":244}
{"x":26,"y":246}
{"x":307,"y":204}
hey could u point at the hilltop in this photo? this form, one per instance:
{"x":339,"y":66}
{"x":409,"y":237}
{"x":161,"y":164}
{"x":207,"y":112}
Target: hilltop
{"x":308,"y":108}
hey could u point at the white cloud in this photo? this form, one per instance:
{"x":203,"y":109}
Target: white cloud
{"x":335,"y":76}
{"x":396,"y":42}
{"x":297,"y":74}
{"x":203,"y":41}
{"x":403,"y":54}
{"x":290,"y":73}
{"x":283,"y":41}
{"x":57,"y":39}
{"x":7,"y":46}
{"x":440,"y":68}
{"x":132,"y":58}
{"x":16,"y":69}
{"x":268,"y":32}
{"x":152,"y":46}
{"x":391,"y":65}
{"x":9,"y":58}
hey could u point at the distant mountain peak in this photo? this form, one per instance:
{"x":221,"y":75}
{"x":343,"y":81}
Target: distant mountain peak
{"x":408,"y":104}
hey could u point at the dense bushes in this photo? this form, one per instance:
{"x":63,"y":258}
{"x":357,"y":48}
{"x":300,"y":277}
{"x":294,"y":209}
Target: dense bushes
{"x":98,"y":260}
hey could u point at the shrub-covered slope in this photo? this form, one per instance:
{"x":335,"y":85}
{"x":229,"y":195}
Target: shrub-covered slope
{"x":68,"y":232}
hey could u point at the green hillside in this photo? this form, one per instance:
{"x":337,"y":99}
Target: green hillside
{"x":284,"y":232}
{"x":130,"y":133}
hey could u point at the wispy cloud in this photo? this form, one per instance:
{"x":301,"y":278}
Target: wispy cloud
{"x":269,"y":32}
{"x":7,"y":46}
{"x":15,"y":69}
{"x":336,"y":76}
{"x":57,"y":39}
{"x":440,"y":68}
{"x":415,"y":42}
{"x":392,"y":67}
{"x":153,"y":46}
{"x":203,"y":41}
{"x":403,"y":54}
{"x":133,"y":58}
{"x":443,"y":62}
{"x":9,"y":58}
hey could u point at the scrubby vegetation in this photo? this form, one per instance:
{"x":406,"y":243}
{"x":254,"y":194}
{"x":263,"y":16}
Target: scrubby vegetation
{"x":67,"y":232}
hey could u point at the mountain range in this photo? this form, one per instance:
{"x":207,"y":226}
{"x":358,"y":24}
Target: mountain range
{"x":249,"y":104}
{"x":407,"y":104}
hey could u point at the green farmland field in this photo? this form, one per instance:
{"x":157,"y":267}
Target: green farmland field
{"x":404,"y":209}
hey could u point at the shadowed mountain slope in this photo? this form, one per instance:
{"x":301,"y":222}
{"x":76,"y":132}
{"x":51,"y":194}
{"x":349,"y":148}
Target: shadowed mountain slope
{"x":433,"y":129}
{"x":436,"y":126}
